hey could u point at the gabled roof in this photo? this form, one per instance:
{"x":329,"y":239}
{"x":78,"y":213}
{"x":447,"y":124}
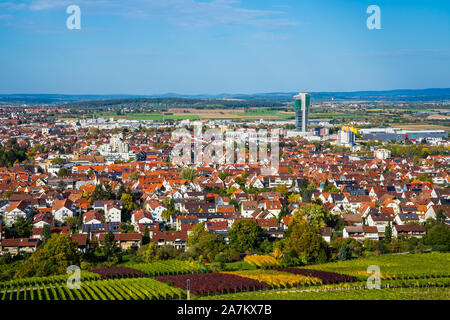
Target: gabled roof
{"x":19,"y":242}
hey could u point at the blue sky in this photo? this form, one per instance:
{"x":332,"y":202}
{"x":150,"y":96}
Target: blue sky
{"x":222,"y":46}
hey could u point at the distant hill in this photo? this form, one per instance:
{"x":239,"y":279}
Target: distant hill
{"x":391,"y":95}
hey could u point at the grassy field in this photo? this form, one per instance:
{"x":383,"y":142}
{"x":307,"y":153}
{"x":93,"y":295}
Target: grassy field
{"x":205,"y":114}
{"x":255,"y":114}
{"x":361,"y":294}
{"x":422,"y":126}
{"x":148,"y":116}
{"x":423,"y":264}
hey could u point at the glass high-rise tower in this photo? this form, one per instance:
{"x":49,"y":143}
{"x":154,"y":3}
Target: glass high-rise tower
{"x":301,"y":107}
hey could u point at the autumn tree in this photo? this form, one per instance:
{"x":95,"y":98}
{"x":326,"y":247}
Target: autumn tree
{"x":316,"y":214}
{"x":128,"y":205}
{"x":59,"y":252}
{"x":305,"y":240}
{"x":134,"y":176}
{"x":312,"y":186}
{"x":283,"y":190}
{"x":148,"y":253}
{"x":294,"y":197}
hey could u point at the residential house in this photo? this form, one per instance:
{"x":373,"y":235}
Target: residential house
{"x":379,"y":220}
{"x":15,"y":210}
{"x":62,"y":209}
{"x":125,"y":240}
{"x":248,"y":207}
{"x":176,"y":239}
{"x":417,"y":231}
{"x":17,"y":245}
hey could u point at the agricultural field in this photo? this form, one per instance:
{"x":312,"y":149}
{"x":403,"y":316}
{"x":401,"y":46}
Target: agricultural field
{"x":118,"y":289}
{"x":421,"y":126}
{"x":403,"y":276}
{"x":324,"y":276}
{"x":364,"y":294}
{"x":278,"y":279}
{"x":160,"y":116}
{"x":394,"y":265}
{"x":205,"y":114}
{"x":147,"y":116}
{"x":262,"y":261}
{"x":213,"y":283}
{"x":168,"y":267}
{"x":118,"y":272}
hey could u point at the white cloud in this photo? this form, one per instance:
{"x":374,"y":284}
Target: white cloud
{"x":184,"y":13}
{"x":11,"y":6}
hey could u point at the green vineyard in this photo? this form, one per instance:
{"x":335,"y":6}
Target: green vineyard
{"x":169,"y":267}
{"x":117,"y":289}
{"x":401,"y":277}
{"x":364,"y":294}
{"x":41,"y":281}
{"x":406,"y":266}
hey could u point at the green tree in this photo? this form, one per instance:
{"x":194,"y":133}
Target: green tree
{"x":316,"y":214}
{"x":305,"y":239}
{"x":59,"y":252}
{"x":109,"y":246}
{"x":146,"y":236}
{"x":306,"y":197}
{"x":90,"y":173}
{"x":148,"y":253}
{"x":45,"y":233}
{"x":134,"y":176}
{"x":63,"y":172}
{"x":22,"y":228}
{"x":345,"y":253}
{"x":438,"y":237}
{"x":240,"y":181}
{"x":245,"y":235}
{"x":283,"y":212}
{"x":236,"y":205}
{"x":388,"y":233}
{"x":188,"y":174}
{"x":165,"y":215}
{"x":205,"y":243}
{"x":61,"y":185}
{"x":126,"y":227}
{"x":57,"y":161}
{"x":312,"y":186}
{"x":223,"y":175}
{"x":72,"y":223}
{"x":98,"y":194}
{"x":425,"y":177}
{"x":440,"y":216}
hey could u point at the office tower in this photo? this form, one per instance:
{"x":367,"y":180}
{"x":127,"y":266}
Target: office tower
{"x":301,"y":106}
